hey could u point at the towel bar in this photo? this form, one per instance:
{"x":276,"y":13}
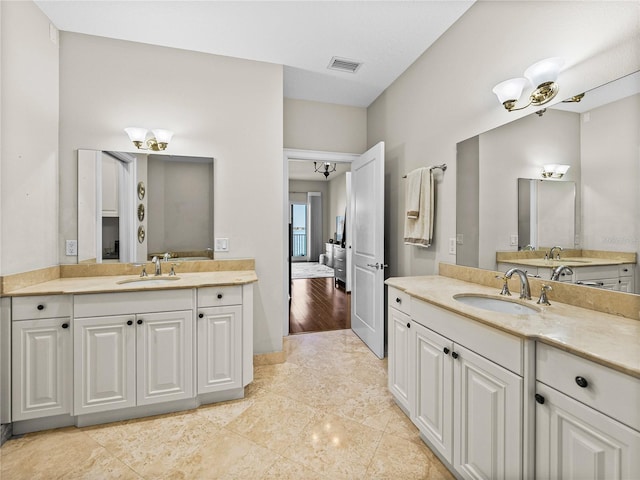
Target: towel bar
{"x":442,"y":167}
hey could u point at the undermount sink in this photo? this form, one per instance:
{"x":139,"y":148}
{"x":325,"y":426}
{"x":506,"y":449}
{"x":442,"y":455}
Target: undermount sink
{"x":148,"y":281}
{"x":494,"y":304}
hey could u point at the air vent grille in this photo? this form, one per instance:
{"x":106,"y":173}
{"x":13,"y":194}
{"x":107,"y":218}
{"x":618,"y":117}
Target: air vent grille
{"x":344,"y":65}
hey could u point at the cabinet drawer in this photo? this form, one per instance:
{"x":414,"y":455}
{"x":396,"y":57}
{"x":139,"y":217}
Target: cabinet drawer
{"x":625,"y":270}
{"x":608,"y":391}
{"x":218,"y":296}
{"x":596,"y":273}
{"x":339,"y":253}
{"x":125,"y":303}
{"x":41,"y":306}
{"x":399,"y":300}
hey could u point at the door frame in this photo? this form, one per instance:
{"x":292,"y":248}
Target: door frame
{"x":310,"y":156}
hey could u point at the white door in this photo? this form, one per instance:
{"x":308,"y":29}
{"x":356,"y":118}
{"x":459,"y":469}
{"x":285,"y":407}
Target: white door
{"x":104,"y":363}
{"x":164,"y":350}
{"x":367,"y":245}
{"x":219,"y":348}
{"x":41,"y":361}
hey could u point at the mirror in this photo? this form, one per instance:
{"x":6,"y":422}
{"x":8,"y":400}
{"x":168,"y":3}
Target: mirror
{"x":134,"y":206}
{"x":598,"y":138}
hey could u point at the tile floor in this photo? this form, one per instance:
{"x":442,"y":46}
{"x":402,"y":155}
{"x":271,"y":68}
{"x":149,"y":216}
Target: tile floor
{"x":325,"y":413}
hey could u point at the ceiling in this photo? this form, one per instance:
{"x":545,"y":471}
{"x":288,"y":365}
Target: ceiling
{"x":385,"y":36}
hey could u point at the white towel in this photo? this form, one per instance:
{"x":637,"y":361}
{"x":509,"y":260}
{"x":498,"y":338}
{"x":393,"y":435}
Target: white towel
{"x":419,"y":231}
{"x":412,"y":193}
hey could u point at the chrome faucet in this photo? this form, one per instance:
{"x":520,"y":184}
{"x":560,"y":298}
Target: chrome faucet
{"x":555,"y":275}
{"x":156,"y":260}
{"x":525,"y":291}
{"x":551,"y":252}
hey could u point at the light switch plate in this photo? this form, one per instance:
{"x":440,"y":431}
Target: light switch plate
{"x":222,"y":245}
{"x":513,"y":240}
{"x":452,"y":246}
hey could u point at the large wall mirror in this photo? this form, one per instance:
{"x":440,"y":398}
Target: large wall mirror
{"x":599,"y":138}
{"x":132,"y":207}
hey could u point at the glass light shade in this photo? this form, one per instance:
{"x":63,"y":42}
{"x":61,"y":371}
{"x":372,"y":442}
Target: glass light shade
{"x":162,"y":136}
{"x":562,"y":169}
{"x":546,"y":70}
{"x":549,"y":169}
{"x":136,"y":134}
{"x":510,"y":89}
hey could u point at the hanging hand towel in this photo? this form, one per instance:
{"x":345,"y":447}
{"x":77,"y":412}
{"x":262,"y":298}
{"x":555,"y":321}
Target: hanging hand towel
{"x":412,"y":195}
{"x":419,"y":231}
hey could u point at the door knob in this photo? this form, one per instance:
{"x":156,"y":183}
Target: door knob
{"x":376,"y":266}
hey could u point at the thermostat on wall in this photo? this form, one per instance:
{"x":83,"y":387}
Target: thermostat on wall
{"x":222,"y":245}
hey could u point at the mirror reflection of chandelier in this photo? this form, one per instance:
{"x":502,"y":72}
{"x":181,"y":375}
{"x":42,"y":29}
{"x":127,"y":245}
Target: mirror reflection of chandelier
{"x":324,"y":168}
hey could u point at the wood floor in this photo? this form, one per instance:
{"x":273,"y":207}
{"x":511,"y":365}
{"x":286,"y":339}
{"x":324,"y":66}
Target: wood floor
{"x":317,"y":306}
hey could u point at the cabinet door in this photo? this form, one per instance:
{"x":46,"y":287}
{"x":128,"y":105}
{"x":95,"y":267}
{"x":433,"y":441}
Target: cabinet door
{"x":487,"y":418}
{"x":574,"y":441}
{"x":41,"y":362}
{"x":398,"y":364}
{"x":433,"y":396}
{"x":164,"y":356}
{"x":219,"y":348}
{"x":104,"y":363}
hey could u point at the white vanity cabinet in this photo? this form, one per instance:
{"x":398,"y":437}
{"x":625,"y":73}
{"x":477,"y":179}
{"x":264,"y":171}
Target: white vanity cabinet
{"x":587,"y":419}
{"x":219,"y":339}
{"x":399,"y":347}
{"x":132,"y":349}
{"x":465,"y":387}
{"x":41,"y":357}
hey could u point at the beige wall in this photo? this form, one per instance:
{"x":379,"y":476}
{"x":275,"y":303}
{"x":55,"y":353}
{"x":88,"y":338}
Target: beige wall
{"x":324,"y":126}
{"x":29,"y":140}
{"x":445,"y":96}
{"x":219,"y":107}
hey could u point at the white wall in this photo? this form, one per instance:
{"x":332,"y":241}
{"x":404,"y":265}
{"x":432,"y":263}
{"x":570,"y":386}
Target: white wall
{"x":29,"y":140}
{"x":445,"y":96}
{"x":219,"y":107}
{"x":324,"y":126}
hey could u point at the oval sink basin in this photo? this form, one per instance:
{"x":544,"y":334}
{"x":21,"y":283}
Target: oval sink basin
{"x":148,"y":281}
{"x":494,"y":304}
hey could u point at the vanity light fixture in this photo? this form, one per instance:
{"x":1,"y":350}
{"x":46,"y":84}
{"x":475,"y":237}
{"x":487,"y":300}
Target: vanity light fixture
{"x":324,"y":168}
{"x":554,"y":170}
{"x":541,"y":75}
{"x":156,"y":139}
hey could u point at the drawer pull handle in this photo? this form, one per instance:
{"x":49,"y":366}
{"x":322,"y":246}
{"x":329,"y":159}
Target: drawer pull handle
{"x":539,"y":399}
{"x":139,"y":322}
{"x":65,"y":325}
{"x":40,"y":307}
{"x":446,"y":351}
{"x":201,"y":315}
{"x":582,"y":382}
{"x":398,"y":300}
{"x":454,"y":355}
{"x":129,"y":322}
{"x":408,"y":325}
{"x":219,"y":296}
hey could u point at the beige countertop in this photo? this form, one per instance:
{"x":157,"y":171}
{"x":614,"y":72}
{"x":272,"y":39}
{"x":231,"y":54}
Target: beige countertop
{"x":111,"y":283}
{"x":607,"y":339}
{"x":568,"y":262}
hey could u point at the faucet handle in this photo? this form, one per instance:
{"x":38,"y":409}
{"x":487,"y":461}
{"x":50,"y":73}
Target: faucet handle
{"x":166,"y":256}
{"x":543,"y":300}
{"x":505,"y":285}
{"x":172,"y":273}
{"x":144,"y":273}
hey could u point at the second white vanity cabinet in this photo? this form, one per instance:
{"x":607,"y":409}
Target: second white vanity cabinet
{"x":132,"y":349}
{"x":41,"y":357}
{"x":468,"y":392}
{"x":219,"y":331}
{"x":587,"y":419}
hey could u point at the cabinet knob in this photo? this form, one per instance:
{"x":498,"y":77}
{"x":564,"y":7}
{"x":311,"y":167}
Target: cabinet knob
{"x":582,"y":382}
{"x":219,"y":296}
{"x":408,"y":325}
{"x":446,"y":350}
{"x":40,"y":307}
{"x":454,"y":355}
{"x":398,"y":300}
{"x":201,"y":315}
{"x":539,"y":399}
{"x":139,"y":322}
{"x":129,"y":322}
{"x":65,"y":325}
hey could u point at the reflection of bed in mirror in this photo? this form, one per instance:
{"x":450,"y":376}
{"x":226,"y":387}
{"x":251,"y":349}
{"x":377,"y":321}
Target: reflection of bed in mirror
{"x":598,"y":138}
{"x":175,"y":212}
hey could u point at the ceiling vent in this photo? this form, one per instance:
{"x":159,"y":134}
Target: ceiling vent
{"x":344,"y":65}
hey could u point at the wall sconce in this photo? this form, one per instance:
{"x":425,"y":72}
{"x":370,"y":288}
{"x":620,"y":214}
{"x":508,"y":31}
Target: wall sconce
{"x":324,"y":168}
{"x":542,"y":75}
{"x":156,"y":139}
{"x":554,"y":170}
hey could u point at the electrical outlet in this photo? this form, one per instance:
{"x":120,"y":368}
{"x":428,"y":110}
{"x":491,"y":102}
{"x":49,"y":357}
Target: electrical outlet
{"x":513,"y":240}
{"x":222,"y":245}
{"x":71,"y":247}
{"x":452,"y":246}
